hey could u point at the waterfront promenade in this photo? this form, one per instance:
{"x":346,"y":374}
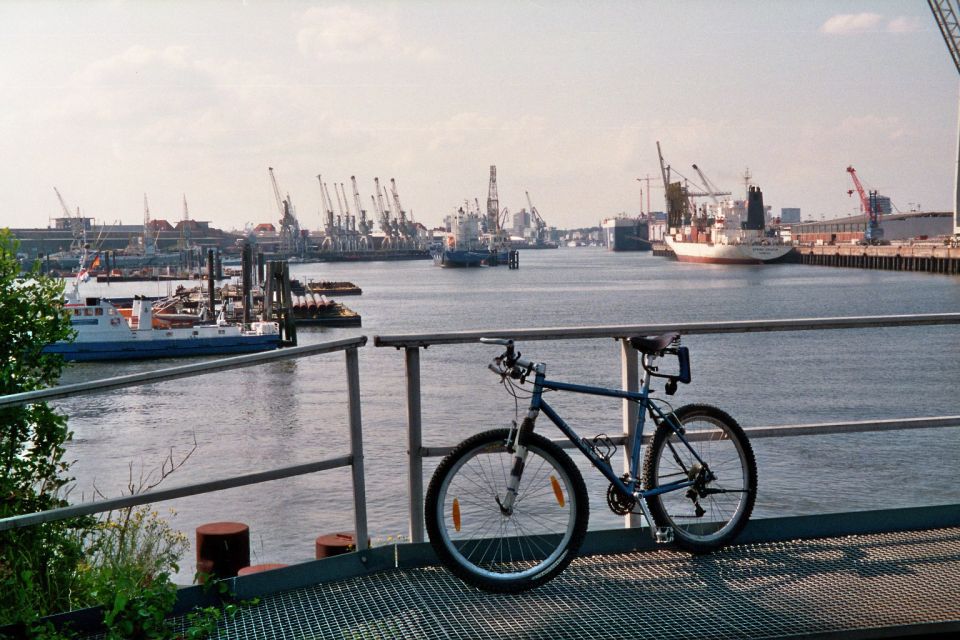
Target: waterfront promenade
{"x":885,"y":585}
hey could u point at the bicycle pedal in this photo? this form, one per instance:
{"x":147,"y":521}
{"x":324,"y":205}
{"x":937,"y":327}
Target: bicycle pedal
{"x":664,"y":535}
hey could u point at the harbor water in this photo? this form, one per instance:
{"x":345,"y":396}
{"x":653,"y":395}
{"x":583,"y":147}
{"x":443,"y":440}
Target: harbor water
{"x":292,"y":412}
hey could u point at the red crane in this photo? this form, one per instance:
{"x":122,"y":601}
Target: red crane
{"x":868,"y":204}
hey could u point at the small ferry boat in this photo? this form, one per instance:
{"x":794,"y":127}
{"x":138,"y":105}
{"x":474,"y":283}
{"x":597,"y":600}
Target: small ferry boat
{"x":104,"y":333}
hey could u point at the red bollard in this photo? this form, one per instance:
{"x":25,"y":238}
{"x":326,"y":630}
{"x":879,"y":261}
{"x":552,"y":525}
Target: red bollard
{"x":333,"y":544}
{"x":223,"y":548}
{"x":257,"y":568}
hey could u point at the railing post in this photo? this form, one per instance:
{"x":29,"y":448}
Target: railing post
{"x":630,"y":379}
{"x":356,"y":451}
{"x":414,"y":443}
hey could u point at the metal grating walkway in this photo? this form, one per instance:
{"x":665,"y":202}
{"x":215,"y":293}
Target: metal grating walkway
{"x":855,"y":586}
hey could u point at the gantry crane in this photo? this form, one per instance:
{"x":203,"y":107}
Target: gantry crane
{"x":868,"y":204}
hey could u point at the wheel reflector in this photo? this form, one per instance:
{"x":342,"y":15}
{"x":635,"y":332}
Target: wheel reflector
{"x":557,"y":491}
{"x":456,"y":514}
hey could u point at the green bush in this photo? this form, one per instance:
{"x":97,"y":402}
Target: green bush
{"x":37,"y":564}
{"x":123,"y":561}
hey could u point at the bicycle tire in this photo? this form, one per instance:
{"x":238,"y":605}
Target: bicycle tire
{"x":497,"y":552}
{"x":726,"y":502}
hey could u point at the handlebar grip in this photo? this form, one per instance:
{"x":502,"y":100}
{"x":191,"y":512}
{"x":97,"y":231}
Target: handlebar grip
{"x":504,"y":342}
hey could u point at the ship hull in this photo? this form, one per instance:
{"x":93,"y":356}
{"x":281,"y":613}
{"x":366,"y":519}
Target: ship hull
{"x":626,"y":234}
{"x":454,"y":258}
{"x":110,"y":350}
{"x":105,"y":333}
{"x":746,"y":253}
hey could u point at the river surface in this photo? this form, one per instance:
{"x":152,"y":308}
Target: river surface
{"x":292,"y":412}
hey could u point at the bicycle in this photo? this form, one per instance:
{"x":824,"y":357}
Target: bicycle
{"x":507,"y":509}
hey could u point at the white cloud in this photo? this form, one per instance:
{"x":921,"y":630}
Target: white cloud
{"x":905,"y":24}
{"x":846,"y":23}
{"x":347,"y":34}
{"x":850,"y":23}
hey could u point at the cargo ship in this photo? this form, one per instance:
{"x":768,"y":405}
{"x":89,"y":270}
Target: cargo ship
{"x":727,"y":242}
{"x":464,"y":246}
{"x":624,"y":233}
{"x":722,"y":232}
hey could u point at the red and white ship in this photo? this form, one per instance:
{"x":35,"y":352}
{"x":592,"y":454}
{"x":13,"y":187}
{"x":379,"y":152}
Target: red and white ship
{"x":722,"y":232}
{"x":724,"y":251}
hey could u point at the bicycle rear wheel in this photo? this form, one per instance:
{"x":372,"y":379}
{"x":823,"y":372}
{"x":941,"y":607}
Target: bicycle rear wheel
{"x":711,"y":513}
{"x":496,"y":551}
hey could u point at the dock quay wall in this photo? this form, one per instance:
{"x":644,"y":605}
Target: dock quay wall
{"x":920,"y":257}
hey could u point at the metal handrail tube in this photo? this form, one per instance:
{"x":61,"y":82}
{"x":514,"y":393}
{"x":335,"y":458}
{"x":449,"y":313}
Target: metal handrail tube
{"x":685,"y":328}
{"x":860,"y":426}
{"x":159,"y":495}
{"x":412,"y":343}
{"x":355,"y":460}
{"x":183,"y":371}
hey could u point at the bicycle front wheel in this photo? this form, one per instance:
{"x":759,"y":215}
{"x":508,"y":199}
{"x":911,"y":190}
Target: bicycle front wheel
{"x":493,"y":550}
{"x":711,"y":512}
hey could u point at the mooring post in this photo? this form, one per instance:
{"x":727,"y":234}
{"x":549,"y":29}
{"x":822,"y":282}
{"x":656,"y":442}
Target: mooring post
{"x":269,"y":290}
{"x":211,"y":284}
{"x":290,"y":325}
{"x":414,"y":443}
{"x":246,"y":268}
{"x":629,"y":378}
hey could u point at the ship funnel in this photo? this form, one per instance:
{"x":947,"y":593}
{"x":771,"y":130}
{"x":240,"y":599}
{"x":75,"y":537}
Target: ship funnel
{"x":755,"y":215}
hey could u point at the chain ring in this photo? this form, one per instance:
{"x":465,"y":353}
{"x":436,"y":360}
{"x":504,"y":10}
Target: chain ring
{"x":619,"y":503}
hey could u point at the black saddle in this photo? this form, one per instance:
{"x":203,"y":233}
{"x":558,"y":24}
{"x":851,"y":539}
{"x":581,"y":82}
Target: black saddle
{"x":653,"y":344}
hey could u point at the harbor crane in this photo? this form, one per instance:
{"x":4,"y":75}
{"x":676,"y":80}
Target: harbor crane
{"x":331,"y":240}
{"x":289,"y":225}
{"x":537,"y":221}
{"x":78,"y":230}
{"x":868,"y":205}
{"x":363,"y":226}
{"x":493,"y":203}
{"x":712,"y":190}
{"x":945,"y":12}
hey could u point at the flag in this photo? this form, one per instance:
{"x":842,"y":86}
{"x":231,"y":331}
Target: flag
{"x":83,"y":275}
{"x":96,"y":262}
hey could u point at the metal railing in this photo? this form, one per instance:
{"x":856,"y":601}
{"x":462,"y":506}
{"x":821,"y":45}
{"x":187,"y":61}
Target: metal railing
{"x":411,"y":344}
{"x":354,"y":460}
{"x":630,"y":378}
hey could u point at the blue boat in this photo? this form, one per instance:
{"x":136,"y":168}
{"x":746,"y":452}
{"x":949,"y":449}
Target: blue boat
{"x":444,"y":257}
{"x":104,"y":333}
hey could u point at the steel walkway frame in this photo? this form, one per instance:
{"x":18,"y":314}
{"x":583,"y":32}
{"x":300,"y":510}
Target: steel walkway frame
{"x":873,"y":577}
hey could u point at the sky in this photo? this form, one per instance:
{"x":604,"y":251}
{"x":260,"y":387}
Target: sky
{"x":108,"y":101}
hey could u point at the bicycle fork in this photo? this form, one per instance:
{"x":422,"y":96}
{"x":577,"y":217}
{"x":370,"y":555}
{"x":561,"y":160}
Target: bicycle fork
{"x":519,"y":460}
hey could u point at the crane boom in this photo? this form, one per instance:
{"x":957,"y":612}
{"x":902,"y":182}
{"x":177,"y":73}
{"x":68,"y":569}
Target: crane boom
{"x":868,"y":204}
{"x":946,"y":16}
{"x":276,"y":191}
{"x":356,"y":199}
{"x":864,"y":201}
{"x":711,"y":188}
{"x":66,"y":210}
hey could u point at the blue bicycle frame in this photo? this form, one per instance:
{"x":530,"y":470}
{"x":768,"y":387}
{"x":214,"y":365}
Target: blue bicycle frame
{"x":642,"y":398}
